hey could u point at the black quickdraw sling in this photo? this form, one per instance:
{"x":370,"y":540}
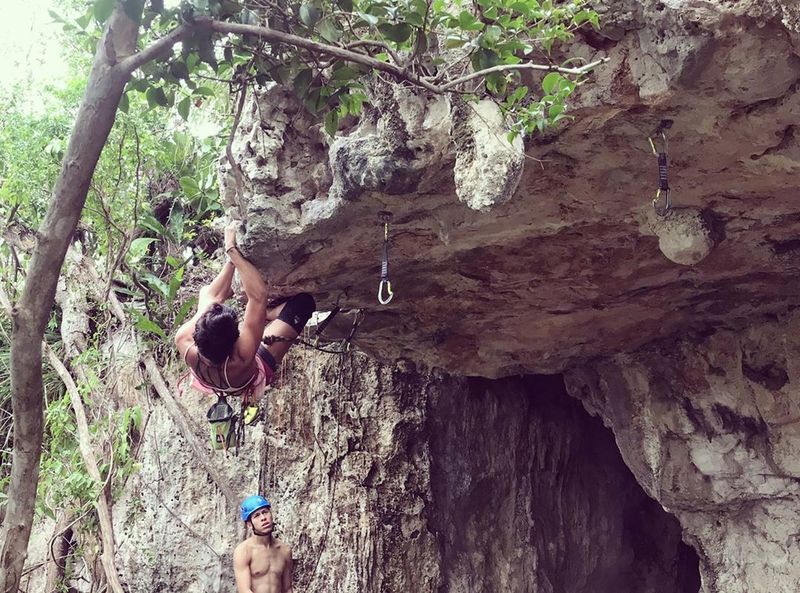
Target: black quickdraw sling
{"x":663,"y":174}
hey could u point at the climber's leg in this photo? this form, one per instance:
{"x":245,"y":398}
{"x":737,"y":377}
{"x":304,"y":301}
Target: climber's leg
{"x":287,"y":320}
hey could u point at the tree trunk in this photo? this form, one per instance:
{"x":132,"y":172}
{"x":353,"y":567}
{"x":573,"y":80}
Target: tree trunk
{"x":59,"y":551}
{"x":94,"y":121}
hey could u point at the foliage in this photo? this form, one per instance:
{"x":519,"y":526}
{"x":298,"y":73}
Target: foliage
{"x":152,"y":159}
{"x":53,"y":389}
{"x":435,"y":43}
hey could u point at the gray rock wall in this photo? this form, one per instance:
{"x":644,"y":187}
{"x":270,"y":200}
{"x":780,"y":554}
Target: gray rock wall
{"x":710,"y":427}
{"x":385,"y":479}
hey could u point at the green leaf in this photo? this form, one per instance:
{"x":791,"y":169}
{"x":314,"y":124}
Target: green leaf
{"x":138,"y":248}
{"x":57,"y":17}
{"x":137,"y":84}
{"x":174,"y":285}
{"x":329,"y":31}
{"x":156,"y":284}
{"x":124,"y":103}
{"x":453,"y":42}
{"x":331,"y":122}
{"x":310,"y":15}
{"x":148,"y":325}
{"x":302,"y":81}
{"x":151,"y":223}
{"x":550,"y":81}
{"x":345,"y":73}
{"x":156,"y":95}
{"x":491,"y":36}
{"x":189,"y":186}
{"x":183,"y":312}
{"x":179,"y":69}
{"x":399,"y":33}
{"x":369,"y":19}
{"x":467,"y":21}
{"x":84,"y":20}
{"x":484,"y":58}
{"x":102,"y":9}
{"x":183,"y":108}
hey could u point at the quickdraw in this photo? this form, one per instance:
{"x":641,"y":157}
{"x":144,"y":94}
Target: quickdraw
{"x":663,"y":174}
{"x":385,"y":285}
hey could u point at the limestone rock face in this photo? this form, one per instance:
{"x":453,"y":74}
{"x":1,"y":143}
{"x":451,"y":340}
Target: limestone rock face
{"x":505,"y":264}
{"x":711,"y":430}
{"x":386,"y":479}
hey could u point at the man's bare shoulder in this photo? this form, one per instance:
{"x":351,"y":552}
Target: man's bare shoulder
{"x":283,"y":548}
{"x":242,"y":550}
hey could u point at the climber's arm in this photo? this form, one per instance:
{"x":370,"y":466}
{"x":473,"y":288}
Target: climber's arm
{"x":218,"y":291}
{"x":255,"y":313}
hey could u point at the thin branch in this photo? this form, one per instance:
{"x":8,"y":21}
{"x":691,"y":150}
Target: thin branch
{"x":152,"y":51}
{"x":267,"y":34}
{"x":179,"y":417}
{"x":87,"y":453}
{"x":237,"y":170}
{"x":504,"y":67}
{"x":381,"y":44}
{"x":271,"y":35}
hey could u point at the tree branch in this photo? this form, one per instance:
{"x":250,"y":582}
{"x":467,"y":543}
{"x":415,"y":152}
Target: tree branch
{"x":271,"y":35}
{"x":238,"y":178}
{"x":528,"y":66}
{"x":381,"y":44}
{"x":87,"y":453}
{"x":179,"y":417}
{"x":152,"y":51}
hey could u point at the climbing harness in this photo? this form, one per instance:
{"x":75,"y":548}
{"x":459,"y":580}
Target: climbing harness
{"x":385,"y":216}
{"x":663,"y":177}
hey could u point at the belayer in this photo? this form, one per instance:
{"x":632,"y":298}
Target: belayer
{"x":261,"y":563}
{"x":226,"y":356}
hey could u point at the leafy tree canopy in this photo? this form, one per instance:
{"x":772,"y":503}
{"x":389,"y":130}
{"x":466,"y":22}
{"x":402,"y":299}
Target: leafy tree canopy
{"x":324,"y":50}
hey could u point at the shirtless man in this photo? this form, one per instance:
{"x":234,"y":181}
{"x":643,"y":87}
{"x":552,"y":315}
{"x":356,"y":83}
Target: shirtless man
{"x":261,"y":563}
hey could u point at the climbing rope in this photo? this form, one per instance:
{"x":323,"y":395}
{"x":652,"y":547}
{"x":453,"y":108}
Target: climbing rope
{"x":385,"y":216}
{"x":663,"y":175}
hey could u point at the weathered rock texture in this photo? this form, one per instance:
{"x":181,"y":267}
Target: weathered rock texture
{"x":711,"y":429}
{"x":386,"y":480}
{"x":500,"y":271}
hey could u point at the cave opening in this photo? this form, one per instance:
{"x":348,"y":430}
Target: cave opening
{"x":531,"y":494}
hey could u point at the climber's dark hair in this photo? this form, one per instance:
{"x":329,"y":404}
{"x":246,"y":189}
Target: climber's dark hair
{"x":216,"y":332}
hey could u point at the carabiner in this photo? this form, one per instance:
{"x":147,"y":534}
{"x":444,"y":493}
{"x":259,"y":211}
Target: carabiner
{"x":667,"y":203}
{"x":389,"y":292}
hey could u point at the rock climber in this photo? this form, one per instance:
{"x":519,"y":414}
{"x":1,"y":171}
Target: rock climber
{"x":226,"y":356}
{"x":261,"y":563}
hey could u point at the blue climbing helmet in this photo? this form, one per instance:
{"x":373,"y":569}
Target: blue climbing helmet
{"x":251,"y":504}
